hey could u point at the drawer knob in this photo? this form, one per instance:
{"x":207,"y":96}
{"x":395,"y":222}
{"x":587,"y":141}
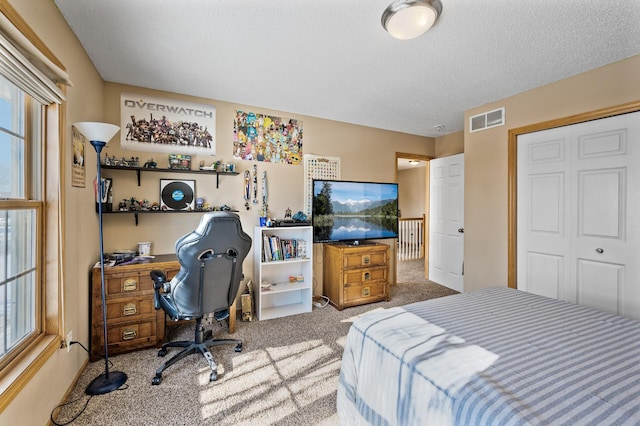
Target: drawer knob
{"x":129,"y":334}
{"x":366,"y":276}
{"x":366,"y":292}
{"x":129,"y":309}
{"x":130,"y":284}
{"x":366,"y":259}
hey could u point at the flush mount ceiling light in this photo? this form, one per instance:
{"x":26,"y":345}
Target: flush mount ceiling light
{"x":407,"y":19}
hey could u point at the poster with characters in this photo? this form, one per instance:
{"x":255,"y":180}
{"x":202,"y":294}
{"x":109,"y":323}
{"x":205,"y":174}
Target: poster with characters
{"x":258,"y":137}
{"x":166,"y":125}
{"x":77,"y":167}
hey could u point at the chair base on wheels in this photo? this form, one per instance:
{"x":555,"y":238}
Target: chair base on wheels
{"x":201,"y":344}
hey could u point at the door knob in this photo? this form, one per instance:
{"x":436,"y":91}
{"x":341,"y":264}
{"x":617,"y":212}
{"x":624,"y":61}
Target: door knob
{"x":461,"y":230}
{"x":599,"y":250}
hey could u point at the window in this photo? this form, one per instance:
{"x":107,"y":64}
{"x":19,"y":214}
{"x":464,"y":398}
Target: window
{"x":32,"y":110}
{"x":21,"y":209}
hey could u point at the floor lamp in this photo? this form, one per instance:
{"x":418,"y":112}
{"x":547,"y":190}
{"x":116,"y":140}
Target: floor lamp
{"x":99,"y":134}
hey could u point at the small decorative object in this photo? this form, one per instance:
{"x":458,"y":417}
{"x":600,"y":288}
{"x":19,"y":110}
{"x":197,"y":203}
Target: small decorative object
{"x":177,"y":194}
{"x":287,"y":213}
{"x":155,"y":207}
{"x":225,"y":208}
{"x":179,"y":162}
{"x":199,"y":203}
{"x":150,"y":164}
{"x":211,"y":167}
{"x":300,"y":217}
{"x":122,"y":206}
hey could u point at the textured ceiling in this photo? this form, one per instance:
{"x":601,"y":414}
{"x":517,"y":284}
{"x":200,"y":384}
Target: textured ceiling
{"x":332,"y":59}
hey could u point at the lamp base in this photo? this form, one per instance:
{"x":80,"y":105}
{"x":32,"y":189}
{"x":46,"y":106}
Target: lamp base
{"x":105,"y":384}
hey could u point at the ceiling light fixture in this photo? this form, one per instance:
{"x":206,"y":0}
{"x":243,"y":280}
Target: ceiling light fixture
{"x":413,"y":162}
{"x":408,"y":19}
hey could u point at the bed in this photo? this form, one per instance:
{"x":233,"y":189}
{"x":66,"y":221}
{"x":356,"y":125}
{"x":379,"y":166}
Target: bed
{"x":497,"y":356}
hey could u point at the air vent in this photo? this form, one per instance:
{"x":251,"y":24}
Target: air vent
{"x":487,"y":120}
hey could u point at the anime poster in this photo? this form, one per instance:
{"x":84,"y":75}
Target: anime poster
{"x":166,"y":125}
{"x":77,"y":167}
{"x":258,"y":137}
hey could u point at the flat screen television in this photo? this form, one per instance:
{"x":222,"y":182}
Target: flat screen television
{"x":350,"y":211}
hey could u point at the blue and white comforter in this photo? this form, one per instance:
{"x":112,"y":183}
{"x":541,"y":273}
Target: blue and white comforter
{"x":496,"y":356}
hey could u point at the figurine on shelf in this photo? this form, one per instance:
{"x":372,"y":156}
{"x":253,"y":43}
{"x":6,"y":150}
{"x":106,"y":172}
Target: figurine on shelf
{"x":150,"y":164}
{"x":145,"y":205}
{"x":155,"y":206}
{"x":107,"y":160}
{"x":122,"y":206}
{"x":134,"y":204}
{"x":287,"y":213}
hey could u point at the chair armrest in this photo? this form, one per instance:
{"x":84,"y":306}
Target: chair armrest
{"x":159,"y":278}
{"x":159,"y":283}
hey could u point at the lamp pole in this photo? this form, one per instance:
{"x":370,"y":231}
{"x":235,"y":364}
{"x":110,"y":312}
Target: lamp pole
{"x":108,"y":381}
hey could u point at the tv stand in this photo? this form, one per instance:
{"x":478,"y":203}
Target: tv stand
{"x":355,"y":275}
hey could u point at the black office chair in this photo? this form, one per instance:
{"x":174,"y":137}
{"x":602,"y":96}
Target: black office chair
{"x":207,"y":284}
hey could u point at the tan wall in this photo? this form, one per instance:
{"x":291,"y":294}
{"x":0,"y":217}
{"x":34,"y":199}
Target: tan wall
{"x":412,"y":192}
{"x":366,"y":154}
{"x":486,"y":158}
{"x":450,"y":144}
{"x":84,"y":102}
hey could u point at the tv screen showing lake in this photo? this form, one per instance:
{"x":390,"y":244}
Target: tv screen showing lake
{"x":354,"y":228}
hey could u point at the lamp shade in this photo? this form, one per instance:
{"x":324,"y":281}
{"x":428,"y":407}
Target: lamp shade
{"x":95,"y":131}
{"x":408,"y":19}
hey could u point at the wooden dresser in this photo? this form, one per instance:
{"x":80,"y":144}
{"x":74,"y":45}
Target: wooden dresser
{"x":355,"y":275}
{"x":132,"y":321}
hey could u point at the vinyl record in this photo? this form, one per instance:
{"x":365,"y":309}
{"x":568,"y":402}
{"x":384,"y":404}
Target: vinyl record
{"x":177,"y":195}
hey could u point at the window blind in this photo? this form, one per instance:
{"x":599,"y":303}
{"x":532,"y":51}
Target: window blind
{"x":23,"y":65}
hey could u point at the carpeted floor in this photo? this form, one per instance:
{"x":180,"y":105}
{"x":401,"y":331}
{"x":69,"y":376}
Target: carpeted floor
{"x":287,"y":373}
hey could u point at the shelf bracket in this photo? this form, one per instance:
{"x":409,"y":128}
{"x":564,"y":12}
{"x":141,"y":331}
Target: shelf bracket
{"x":138,"y":174}
{"x":136,"y":215}
{"x":217,"y":180}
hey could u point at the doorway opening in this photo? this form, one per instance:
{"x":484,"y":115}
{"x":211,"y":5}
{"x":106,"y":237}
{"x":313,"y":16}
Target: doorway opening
{"x":412,"y":251}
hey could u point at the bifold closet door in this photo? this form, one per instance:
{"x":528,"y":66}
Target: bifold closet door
{"x":579,"y":214}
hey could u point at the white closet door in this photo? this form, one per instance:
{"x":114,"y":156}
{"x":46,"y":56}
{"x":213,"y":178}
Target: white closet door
{"x":578,"y":222}
{"x":446,"y":221}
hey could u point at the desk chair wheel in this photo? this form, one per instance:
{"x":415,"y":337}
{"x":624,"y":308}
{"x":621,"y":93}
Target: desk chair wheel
{"x":162,"y":352}
{"x":213,"y":377}
{"x":156,"y":380}
{"x":238,"y":347}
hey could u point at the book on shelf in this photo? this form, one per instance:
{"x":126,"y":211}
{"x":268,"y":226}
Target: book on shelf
{"x":276,"y":248}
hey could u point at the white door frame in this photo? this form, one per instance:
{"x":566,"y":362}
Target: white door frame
{"x":513,"y":172}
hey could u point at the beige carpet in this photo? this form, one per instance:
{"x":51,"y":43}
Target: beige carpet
{"x":287,"y":373}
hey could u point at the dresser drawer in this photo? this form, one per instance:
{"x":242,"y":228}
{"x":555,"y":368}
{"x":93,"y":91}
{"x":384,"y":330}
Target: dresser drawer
{"x":124,"y":284}
{"x":129,"y":309}
{"x":126,"y":337}
{"x":365,"y":292}
{"x":363,"y":276}
{"x":363,"y":260}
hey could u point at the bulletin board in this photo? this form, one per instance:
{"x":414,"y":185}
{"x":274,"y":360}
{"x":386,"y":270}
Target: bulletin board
{"x":318,"y":167}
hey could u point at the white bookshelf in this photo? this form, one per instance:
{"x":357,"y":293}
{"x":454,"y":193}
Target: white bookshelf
{"x":283,"y":298}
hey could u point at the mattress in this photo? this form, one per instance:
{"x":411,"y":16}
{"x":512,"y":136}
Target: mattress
{"x":496,"y":356}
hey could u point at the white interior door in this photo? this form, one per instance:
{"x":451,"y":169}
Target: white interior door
{"x":446,"y":221}
{"x":578,"y":226}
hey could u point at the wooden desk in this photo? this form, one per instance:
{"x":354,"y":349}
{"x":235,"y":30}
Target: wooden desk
{"x":132,"y":321}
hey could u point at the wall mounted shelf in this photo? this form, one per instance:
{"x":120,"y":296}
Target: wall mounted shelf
{"x":157,"y":169}
{"x":137,"y":212}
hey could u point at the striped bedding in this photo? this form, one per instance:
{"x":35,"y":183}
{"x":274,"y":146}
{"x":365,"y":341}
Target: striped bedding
{"x":493,"y":357}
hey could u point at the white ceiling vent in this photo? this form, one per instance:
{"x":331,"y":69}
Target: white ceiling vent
{"x":487,"y":120}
